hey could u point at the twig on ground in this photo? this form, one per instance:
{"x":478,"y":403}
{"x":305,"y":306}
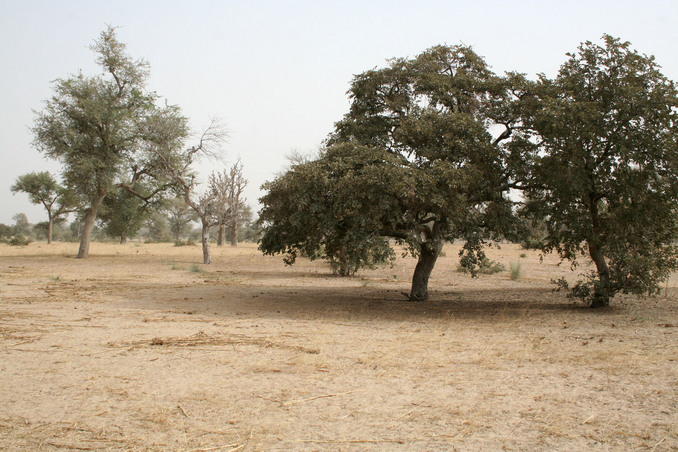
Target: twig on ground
{"x":657,"y":445}
{"x":294,"y":402}
{"x":352,"y":441}
{"x":233,"y":447}
{"x":182,"y":410}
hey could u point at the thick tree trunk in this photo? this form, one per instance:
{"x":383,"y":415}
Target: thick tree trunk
{"x":602,"y":292}
{"x":234,"y":234}
{"x":123,"y":238}
{"x":221,"y":237}
{"x":88,"y":225}
{"x":206,"y":253}
{"x":427,"y":260}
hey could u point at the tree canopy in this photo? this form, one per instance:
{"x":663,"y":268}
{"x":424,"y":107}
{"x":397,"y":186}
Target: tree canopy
{"x":603,"y":141}
{"x":43,"y":189}
{"x":100,"y":127}
{"x":437,"y":147}
{"x":414,"y":159}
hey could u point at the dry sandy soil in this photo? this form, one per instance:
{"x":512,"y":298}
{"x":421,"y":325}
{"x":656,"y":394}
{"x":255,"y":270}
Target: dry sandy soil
{"x":140,"y":347}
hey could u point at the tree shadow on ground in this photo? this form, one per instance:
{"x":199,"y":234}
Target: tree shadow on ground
{"x":363,"y":303}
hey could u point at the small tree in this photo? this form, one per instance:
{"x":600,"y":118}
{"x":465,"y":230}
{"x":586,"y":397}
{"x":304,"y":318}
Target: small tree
{"x":603,"y":142}
{"x":22,"y":228}
{"x":43,"y":189}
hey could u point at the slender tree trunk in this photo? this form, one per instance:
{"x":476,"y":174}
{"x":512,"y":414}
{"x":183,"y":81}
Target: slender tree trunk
{"x":221,"y":237}
{"x":50,"y":226}
{"x":234,"y":234}
{"x":430,"y":251}
{"x":88,"y":225}
{"x":206,"y":253}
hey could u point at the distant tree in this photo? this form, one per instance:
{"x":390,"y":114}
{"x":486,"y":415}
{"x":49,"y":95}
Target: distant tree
{"x":415,"y":159}
{"x":247,"y":230}
{"x":43,"y":189}
{"x":228,"y":187}
{"x":158,"y":227}
{"x":6,"y":232}
{"x":603,"y":139}
{"x":100,"y":129}
{"x":21,"y":225}
{"x":180,"y":217}
{"x":122,"y":214}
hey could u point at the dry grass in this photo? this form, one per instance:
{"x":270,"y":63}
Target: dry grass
{"x":132,"y":350}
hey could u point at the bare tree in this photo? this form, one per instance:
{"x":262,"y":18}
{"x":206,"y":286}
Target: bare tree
{"x":228,"y":188}
{"x":181,"y":174}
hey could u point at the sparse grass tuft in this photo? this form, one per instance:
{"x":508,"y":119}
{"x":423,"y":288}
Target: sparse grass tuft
{"x":188,"y":242}
{"x":515,"y":270}
{"x":195,"y":268}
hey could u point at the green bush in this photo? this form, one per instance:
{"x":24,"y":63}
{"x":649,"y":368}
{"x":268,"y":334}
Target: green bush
{"x":486,"y":267}
{"x":19,"y":240}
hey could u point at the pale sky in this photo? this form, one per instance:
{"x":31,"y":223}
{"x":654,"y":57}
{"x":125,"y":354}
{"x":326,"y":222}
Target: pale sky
{"x":277,"y":72}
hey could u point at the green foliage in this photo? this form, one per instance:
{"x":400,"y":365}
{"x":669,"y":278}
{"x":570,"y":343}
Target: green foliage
{"x":484,"y":267}
{"x":432,"y":145}
{"x":180,"y":216}
{"x":313,"y":209}
{"x":413,"y":160}
{"x":158,"y":228}
{"x":19,"y":240}
{"x":21,"y":225}
{"x":603,"y":152}
{"x":6,"y":232}
{"x":123,"y":214}
{"x":108,"y":133}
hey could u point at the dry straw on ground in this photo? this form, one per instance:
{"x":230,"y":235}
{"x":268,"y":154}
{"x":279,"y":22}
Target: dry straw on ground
{"x":132,"y":350}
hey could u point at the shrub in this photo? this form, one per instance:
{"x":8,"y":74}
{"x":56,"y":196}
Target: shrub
{"x":486,"y":267}
{"x":19,"y":240}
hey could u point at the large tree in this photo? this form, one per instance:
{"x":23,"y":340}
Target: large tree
{"x":96,"y":126}
{"x":415,"y":159}
{"x":603,"y":141}
{"x":43,"y":189}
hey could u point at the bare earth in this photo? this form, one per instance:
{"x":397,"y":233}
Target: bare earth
{"x":141,"y":348}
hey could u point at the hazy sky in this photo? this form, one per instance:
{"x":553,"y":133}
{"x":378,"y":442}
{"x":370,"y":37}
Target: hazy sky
{"x":277,"y":72}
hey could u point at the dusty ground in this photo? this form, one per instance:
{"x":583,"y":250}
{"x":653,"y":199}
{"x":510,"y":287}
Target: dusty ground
{"x":140,"y":348}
